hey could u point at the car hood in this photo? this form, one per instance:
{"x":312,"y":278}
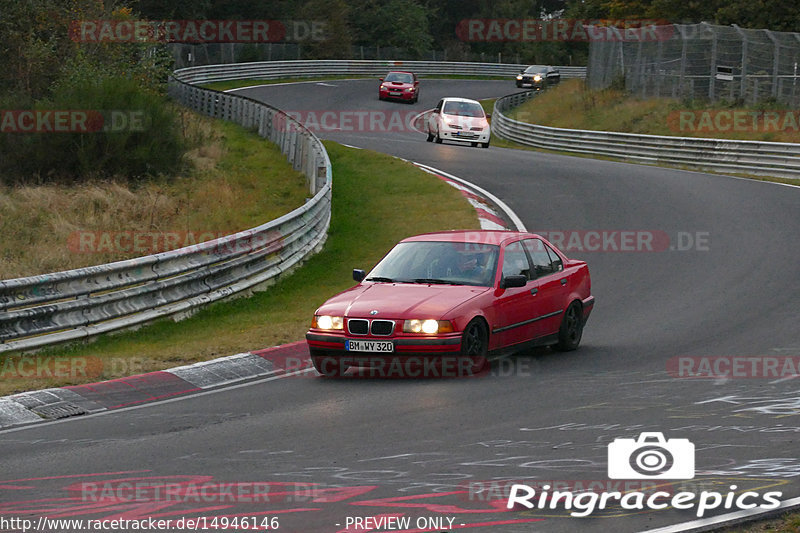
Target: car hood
{"x":465,"y":122}
{"x":397,"y":84}
{"x":399,"y":300}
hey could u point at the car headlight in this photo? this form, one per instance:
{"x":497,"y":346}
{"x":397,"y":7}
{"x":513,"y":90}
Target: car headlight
{"x":383,"y":86}
{"x":410,"y":89}
{"x":327,"y":322}
{"x":537,"y":78}
{"x":428,"y":326}
{"x":519,"y":76}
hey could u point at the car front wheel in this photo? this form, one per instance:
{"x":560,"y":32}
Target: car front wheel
{"x":571,"y":330}
{"x":475,"y":345}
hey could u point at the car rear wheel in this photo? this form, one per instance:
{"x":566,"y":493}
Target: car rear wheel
{"x":475,"y":344}
{"x":571,"y":330}
{"x":328,"y":366}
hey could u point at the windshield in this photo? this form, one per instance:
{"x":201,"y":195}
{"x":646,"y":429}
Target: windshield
{"x":398,"y":76}
{"x":463,"y":109}
{"x":453,"y":263}
{"x":535,"y":70}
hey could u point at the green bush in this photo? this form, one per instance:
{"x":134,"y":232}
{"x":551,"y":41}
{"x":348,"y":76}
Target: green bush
{"x":138,"y":135}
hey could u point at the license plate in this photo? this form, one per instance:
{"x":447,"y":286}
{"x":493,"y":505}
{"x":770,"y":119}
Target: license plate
{"x":368,"y":346}
{"x":395,"y":93}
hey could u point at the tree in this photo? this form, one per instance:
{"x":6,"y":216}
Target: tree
{"x":336,"y":40}
{"x":398,"y":23}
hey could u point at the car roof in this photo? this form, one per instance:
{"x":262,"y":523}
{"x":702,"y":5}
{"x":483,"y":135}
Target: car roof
{"x":472,"y":236}
{"x":399,"y":72}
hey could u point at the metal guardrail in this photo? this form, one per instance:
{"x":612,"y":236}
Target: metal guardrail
{"x":272,"y":70}
{"x":75,"y":304}
{"x":723,"y":155}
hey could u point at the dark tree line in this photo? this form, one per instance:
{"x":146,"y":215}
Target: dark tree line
{"x":421,"y":25}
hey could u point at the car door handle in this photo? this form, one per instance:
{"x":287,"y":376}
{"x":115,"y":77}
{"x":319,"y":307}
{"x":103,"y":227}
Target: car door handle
{"x":534,"y":291}
{"x":564,"y":281}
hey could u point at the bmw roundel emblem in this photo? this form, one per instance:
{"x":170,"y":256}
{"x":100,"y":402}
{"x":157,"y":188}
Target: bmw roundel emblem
{"x":374,"y":312}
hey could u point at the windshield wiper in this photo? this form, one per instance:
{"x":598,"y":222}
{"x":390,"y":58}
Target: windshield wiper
{"x":434,"y":281}
{"x":380,"y":279}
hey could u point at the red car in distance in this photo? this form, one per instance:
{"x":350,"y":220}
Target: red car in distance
{"x":399,"y":85}
{"x":463,"y":294}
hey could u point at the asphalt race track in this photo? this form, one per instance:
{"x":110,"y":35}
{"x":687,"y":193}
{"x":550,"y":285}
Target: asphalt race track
{"x":715,"y":274}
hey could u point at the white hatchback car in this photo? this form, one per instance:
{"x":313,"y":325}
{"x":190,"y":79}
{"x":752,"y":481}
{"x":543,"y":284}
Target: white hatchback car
{"x":459,"y":119}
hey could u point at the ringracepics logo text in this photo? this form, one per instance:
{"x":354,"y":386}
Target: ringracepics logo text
{"x":650,"y":456}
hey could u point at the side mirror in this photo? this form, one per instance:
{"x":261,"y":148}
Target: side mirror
{"x":416,"y":82}
{"x":435,"y":112}
{"x":513,"y":281}
{"x":359,"y":275}
{"x":380,"y":79}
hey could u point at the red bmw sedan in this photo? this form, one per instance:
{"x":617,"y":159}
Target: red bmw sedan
{"x":399,"y":86}
{"x":462,"y":294}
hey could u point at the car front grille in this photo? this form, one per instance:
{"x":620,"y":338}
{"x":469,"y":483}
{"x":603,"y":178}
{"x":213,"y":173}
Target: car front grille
{"x":382,"y":327}
{"x":358,"y":326}
{"x":361,"y":326}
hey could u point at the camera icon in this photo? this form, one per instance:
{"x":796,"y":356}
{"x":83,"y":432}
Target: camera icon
{"x":651,"y":457}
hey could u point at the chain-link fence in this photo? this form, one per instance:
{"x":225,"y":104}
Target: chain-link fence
{"x":191,"y":55}
{"x":702,"y":61}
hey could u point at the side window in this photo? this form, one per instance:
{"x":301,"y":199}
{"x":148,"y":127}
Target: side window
{"x":515,"y":261}
{"x":558,"y":264}
{"x":542,"y":264}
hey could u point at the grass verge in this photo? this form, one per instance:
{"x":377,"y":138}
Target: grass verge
{"x":522,"y":113}
{"x":233,"y":180}
{"x":377,"y":201}
{"x":573,"y":105}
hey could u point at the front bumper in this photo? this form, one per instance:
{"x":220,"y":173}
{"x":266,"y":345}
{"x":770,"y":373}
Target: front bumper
{"x":431,"y":357}
{"x":392,"y":95}
{"x":333,"y":344}
{"x":530,"y":81}
{"x":466,"y":135}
